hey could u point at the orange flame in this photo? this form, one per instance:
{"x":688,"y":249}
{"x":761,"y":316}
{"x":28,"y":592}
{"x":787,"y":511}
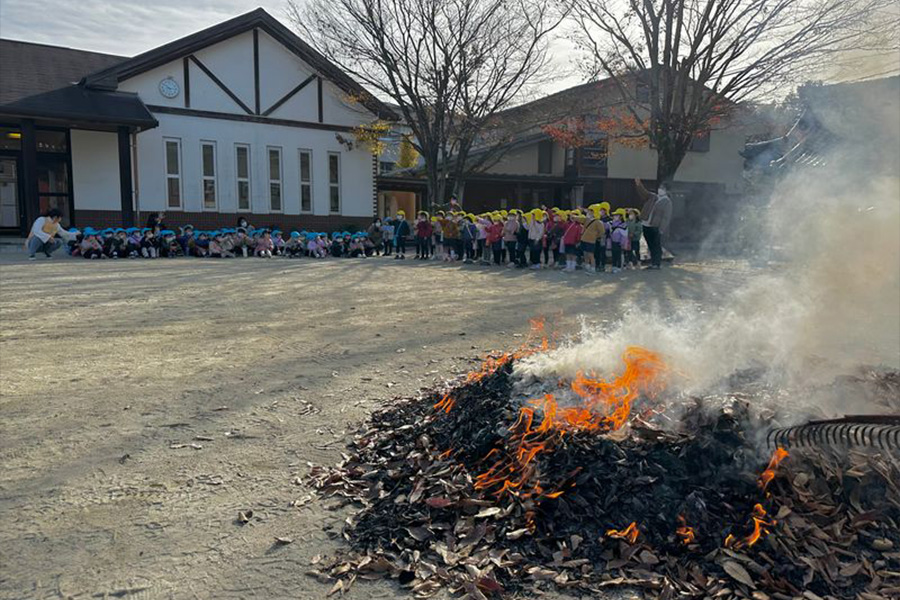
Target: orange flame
{"x":606,"y":406}
{"x":769,"y":474}
{"x":630,"y":533}
{"x":685,"y":532}
{"x":761,"y":527}
{"x":493,"y":363}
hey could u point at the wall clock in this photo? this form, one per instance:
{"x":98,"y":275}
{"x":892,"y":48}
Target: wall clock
{"x":169,"y":88}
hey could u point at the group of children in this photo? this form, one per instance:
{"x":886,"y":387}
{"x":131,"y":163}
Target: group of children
{"x":586,"y":237}
{"x":148,"y":242}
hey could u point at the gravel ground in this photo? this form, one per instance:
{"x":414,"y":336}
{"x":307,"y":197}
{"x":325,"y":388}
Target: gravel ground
{"x":144,"y":404}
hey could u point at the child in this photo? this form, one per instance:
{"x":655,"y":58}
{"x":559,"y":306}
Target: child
{"x":278,"y":243}
{"x":481,"y":225}
{"x":116,"y":245}
{"x":618,"y":239}
{"x":510,"y":229}
{"x":369,"y":247}
{"x":149,"y":244}
{"x":217,"y":247}
{"x":293,"y":247}
{"x":536,"y":237}
{"x":186,"y":239}
{"x":494,"y":238}
{"x":424,"y":231}
{"x":437,"y":224}
{"x":468,"y":235}
{"x":570,"y":239}
{"x":91,"y":247}
{"x":593,"y":235}
{"x":450,"y":228}
{"x":169,"y":246}
{"x":635,"y":230}
{"x":200,"y":247}
{"x":401,"y":232}
{"x":522,"y":240}
{"x":387,"y":233}
{"x":264,"y":246}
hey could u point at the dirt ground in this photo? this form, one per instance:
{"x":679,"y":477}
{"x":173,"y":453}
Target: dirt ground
{"x":144,"y":404}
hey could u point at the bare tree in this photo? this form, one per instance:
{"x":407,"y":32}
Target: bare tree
{"x":448,"y":65}
{"x":681,"y":66}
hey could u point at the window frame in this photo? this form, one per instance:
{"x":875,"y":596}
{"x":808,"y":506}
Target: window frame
{"x":545,"y":157}
{"x":279,"y":181}
{"x":214,"y":177}
{"x":308,"y":183}
{"x":337,"y":185}
{"x":248,"y":179}
{"x":178,"y":176}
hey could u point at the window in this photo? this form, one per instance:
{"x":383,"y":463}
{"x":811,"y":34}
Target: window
{"x":700,"y":142}
{"x":208,"y":173}
{"x":334,"y":182}
{"x":385,"y":166}
{"x":173,"y":173}
{"x":306,"y":181}
{"x":570,"y":157}
{"x":275,"y":179}
{"x":242,"y":156}
{"x":545,"y":156}
{"x":593,"y":159}
{"x":642,"y":93}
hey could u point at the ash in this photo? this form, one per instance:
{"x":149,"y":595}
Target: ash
{"x":482,"y":499}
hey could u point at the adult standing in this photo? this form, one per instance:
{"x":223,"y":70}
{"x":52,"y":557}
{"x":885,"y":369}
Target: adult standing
{"x":155,"y":221}
{"x":656,"y":215}
{"x":42,"y":237}
{"x":376,"y":235}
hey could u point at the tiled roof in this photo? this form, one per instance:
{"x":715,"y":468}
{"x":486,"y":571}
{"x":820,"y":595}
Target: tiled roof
{"x":27,"y":69}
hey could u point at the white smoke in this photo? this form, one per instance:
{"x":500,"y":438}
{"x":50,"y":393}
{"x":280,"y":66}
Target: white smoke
{"x":829,"y":303}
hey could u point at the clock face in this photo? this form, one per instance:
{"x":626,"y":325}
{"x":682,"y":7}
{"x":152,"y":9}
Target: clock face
{"x":168,"y":87}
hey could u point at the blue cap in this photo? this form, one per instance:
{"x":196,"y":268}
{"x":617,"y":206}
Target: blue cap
{"x":294,"y":234}
{"x":167,"y":232}
{"x":132,"y":229}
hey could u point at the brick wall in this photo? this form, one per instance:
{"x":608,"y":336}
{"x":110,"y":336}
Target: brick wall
{"x":211,"y":220}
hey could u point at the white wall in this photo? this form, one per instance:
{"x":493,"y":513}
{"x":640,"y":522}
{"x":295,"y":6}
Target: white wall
{"x":231,"y":61}
{"x":721,"y":164}
{"x":519,"y":161}
{"x":356,"y":166}
{"x":95,"y":170}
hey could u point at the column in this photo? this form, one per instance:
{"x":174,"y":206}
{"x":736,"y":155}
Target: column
{"x":125,"y":185}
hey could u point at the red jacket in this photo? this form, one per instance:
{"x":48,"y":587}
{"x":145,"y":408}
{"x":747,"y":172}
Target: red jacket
{"x":494,"y":232}
{"x":572,"y":234}
{"x":424,"y":229}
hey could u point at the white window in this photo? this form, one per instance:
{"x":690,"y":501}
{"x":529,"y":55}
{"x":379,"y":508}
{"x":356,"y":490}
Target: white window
{"x":334,"y":182}
{"x":208,"y":173}
{"x":274,"y":179}
{"x":306,"y":188}
{"x":242,"y":156}
{"x":173,"y":172}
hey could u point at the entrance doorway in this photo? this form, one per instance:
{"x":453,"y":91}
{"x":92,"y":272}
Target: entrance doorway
{"x":9,"y":193}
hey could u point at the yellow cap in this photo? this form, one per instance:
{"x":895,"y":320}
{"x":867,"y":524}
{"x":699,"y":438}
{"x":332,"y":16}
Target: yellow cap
{"x":604,"y":206}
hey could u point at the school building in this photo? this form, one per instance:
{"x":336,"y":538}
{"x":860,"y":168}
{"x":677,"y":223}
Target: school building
{"x":531,"y":168}
{"x":240,"y":119}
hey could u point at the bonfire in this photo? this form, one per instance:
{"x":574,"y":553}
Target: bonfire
{"x":593,"y":486}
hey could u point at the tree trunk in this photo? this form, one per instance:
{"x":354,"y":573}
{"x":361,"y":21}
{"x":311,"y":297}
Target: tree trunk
{"x":459,"y":190}
{"x":668,"y":160}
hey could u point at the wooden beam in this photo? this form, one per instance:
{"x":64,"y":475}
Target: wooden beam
{"x":256,"y":67}
{"x":289,"y":95}
{"x":187,"y":82}
{"x":321,"y":112}
{"x":221,"y":85}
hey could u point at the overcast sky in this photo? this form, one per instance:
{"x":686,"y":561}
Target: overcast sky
{"x":129,"y":27}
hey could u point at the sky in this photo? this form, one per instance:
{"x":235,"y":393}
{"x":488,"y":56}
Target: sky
{"x":129,"y":27}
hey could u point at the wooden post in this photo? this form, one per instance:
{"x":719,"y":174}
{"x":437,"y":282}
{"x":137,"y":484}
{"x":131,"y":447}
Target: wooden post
{"x":125,"y":186}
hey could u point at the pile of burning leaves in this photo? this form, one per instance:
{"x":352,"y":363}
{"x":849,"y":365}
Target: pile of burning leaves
{"x":468,"y":490}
